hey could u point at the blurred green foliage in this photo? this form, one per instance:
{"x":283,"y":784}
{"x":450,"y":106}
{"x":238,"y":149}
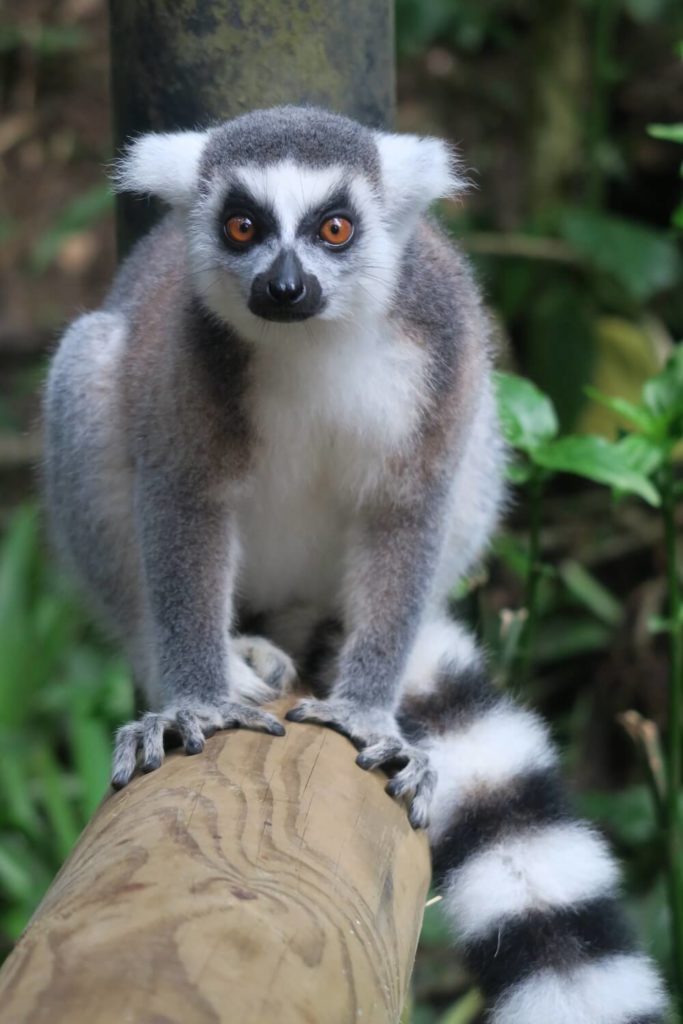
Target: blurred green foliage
{"x":581,"y":231}
{"x":61,"y":695}
{"x":642,"y":462}
{"x":43,"y":40}
{"x":84,"y":211}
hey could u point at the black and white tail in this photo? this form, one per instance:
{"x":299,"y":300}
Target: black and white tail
{"x":530,"y":891}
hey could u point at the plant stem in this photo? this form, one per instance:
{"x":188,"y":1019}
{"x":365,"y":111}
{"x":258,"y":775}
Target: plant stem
{"x":645,"y":736}
{"x":528,"y":636}
{"x":603,"y":29}
{"x":674,"y":836}
{"x":465,"y":1010}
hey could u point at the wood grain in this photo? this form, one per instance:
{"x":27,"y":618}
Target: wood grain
{"x":265,"y":880}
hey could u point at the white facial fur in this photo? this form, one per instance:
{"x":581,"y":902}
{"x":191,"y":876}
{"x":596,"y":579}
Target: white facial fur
{"x":164,"y":165}
{"x":356,"y":284}
{"x":416,"y":170}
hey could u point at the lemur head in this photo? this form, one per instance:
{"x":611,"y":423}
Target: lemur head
{"x":292,"y":213}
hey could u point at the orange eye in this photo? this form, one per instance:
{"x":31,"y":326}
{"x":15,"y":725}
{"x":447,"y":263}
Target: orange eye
{"x":240,"y":229}
{"x":336,"y":230}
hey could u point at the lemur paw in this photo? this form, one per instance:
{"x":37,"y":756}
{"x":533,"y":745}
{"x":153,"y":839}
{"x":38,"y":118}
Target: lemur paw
{"x":143,"y":740}
{"x":270,"y":672}
{"x":377,"y":736}
{"x":415,"y":781}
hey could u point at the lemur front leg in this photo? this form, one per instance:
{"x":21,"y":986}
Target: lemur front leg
{"x":188,"y":544}
{"x":391,"y":562}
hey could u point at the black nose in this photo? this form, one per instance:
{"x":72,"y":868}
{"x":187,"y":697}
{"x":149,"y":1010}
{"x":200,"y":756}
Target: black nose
{"x":286,"y":290}
{"x":285,"y":280}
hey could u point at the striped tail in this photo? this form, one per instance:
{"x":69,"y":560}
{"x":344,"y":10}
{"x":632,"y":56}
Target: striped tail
{"x":530,"y":891}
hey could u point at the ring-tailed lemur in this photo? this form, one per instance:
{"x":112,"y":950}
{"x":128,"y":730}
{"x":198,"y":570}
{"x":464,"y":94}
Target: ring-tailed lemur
{"x":282,"y":414}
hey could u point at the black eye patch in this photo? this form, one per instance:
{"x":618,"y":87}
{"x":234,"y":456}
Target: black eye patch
{"x":240,"y":202}
{"x":337,"y":204}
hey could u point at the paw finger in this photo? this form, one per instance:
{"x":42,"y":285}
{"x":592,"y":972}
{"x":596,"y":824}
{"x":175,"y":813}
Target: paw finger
{"x":153,"y":727}
{"x":125,"y":754}
{"x":379,"y":753}
{"x":418,"y":815}
{"x":190,"y":732}
{"x":253,"y":718}
{"x":414,"y":778}
{"x":420,"y":782}
{"x":309,"y":711}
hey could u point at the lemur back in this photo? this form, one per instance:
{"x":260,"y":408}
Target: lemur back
{"x":283,"y":415}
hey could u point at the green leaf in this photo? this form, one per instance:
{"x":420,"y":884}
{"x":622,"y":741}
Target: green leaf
{"x":644,"y":10}
{"x":527,"y":416}
{"x":643,"y":455}
{"x":636,"y":414}
{"x":658,"y":624}
{"x":661,"y":624}
{"x":18,"y":808}
{"x":15,"y":874}
{"x":590,"y":592}
{"x":564,"y":637}
{"x":92,"y":755}
{"x":596,"y":459}
{"x":56,"y":801}
{"x":518,"y":472}
{"x":668,"y":132}
{"x":466,"y":1010}
{"x":641,"y":259}
{"x":663,"y":394}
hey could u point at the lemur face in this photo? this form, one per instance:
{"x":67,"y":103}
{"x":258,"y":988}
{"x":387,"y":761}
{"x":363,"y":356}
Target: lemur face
{"x":286,"y":243}
{"x":293,"y":215}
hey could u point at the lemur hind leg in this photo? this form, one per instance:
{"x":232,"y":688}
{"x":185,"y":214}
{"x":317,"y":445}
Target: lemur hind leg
{"x":271,"y":672}
{"x":88,"y":479}
{"x":530,"y":890}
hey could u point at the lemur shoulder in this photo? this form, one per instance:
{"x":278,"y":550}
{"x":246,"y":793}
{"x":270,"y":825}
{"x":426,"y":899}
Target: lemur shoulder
{"x":281,"y":419}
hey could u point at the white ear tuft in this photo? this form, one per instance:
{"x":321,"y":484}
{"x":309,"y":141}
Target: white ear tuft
{"x":417,"y":170}
{"x":164,"y":165}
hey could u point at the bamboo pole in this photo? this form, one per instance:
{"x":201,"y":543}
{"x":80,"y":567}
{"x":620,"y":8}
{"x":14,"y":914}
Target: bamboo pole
{"x":265,"y":880}
{"x":188,"y":63}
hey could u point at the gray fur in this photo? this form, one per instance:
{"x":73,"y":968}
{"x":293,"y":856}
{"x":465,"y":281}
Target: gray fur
{"x":310,"y":135}
{"x":154,"y":439}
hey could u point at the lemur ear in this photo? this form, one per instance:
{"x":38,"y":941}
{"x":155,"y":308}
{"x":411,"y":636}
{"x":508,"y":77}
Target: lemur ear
{"x":164,"y":165}
{"x":416,"y":170}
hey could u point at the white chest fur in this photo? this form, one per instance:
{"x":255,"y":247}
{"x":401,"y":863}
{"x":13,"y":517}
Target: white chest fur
{"x":329,"y":411}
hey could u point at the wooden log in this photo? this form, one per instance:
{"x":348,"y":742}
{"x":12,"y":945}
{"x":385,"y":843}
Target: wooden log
{"x":265,"y":880}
